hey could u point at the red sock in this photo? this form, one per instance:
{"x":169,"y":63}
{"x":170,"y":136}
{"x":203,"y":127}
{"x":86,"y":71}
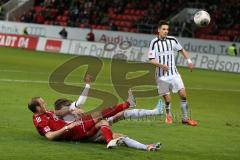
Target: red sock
{"x":109,"y":112}
{"x":107,"y":133}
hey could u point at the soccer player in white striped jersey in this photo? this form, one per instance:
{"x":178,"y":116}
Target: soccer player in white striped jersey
{"x":161,"y":54}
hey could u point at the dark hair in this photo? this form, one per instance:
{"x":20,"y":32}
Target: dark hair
{"x":33,"y":104}
{"x":61,"y":102}
{"x":162,"y":22}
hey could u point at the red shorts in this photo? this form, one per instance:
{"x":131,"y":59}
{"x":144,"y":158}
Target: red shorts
{"x":85,"y":130}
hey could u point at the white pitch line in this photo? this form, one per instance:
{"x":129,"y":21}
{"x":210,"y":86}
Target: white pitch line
{"x":23,"y":81}
{"x":46,"y":82}
{"x":107,"y":84}
{"x":214,"y":89}
{"x":21,"y":71}
{"x":30,"y":81}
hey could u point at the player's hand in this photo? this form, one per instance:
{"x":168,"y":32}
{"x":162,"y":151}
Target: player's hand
{"x":164,"y":67}
{"x":73,"y":124}
{"x":88,"y":78}
{"x":190,"y":66}
{"x":78,"y":112}
{"x":70,"y":126}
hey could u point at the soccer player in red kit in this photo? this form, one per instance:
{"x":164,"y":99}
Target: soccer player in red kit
{"x":53,"y":128}
{"x":88,"y":127}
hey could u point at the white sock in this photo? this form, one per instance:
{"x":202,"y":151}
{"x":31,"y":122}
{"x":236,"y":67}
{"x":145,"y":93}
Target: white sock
{"x":138,"y":113}
{"x":134,"y":144}
{"x":168,"y":107}
{"x":82,"y":98}
{"x":184,"y":107}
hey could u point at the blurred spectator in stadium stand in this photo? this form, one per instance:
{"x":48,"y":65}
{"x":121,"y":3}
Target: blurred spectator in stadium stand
{"x":39,"y":18}
{"x":113,"y":27}
{"x":63,"y":33}
{"x":25,"y":32}
{"x":232,"y":50}
{"x":90,"y":36}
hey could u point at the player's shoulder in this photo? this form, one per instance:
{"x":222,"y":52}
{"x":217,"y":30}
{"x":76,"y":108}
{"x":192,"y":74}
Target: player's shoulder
{"x":36,"y":115}
{"x":154,"y":40}
{"x":37,"y":119}
{"x":172,"y":38}
{"x":50,"y":112}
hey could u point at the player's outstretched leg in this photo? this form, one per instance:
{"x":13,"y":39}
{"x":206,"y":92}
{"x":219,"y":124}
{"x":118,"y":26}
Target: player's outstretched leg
{"x":111,"y":111}
{"x":137,"y":113}
{"x":154,"y":146}
{"x":114,"y":142}
{"x":160,"y":106}
{"x":138,"y":145}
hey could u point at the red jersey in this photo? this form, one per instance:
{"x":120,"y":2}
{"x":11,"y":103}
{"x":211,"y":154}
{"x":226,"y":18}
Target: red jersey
{"x":48,"y":121}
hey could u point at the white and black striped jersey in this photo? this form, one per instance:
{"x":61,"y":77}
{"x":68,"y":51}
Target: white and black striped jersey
{"x":163,"y":51}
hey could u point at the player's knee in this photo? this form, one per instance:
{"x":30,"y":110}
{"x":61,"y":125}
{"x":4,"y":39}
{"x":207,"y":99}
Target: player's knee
{"x":182,"y":93}
{"x":167,"y":98}
{"x":104,"y":122}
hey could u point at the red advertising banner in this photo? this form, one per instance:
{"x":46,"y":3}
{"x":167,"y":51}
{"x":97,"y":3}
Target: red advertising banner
{"x":18,"y":41}
{"x":53,"y":45}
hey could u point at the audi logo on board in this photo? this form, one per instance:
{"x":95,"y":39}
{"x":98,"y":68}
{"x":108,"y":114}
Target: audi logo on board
{"x":38,"y":31}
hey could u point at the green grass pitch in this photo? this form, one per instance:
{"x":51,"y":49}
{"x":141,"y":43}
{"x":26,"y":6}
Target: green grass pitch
{"x":214,"y":98}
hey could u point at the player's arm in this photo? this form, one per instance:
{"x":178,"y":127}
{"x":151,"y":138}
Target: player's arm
{"x":178,"y":48}
{"x":78,"y":111}
{"x":83,"y":97}
{"x":63,"y":111}
{"x":186,"y":56}
{"x":157,"y":64}
{"x":53,"y":135}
